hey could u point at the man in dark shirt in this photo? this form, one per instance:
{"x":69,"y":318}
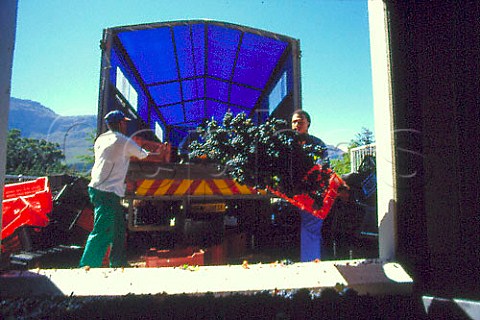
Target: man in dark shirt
{"x":311,"y":226}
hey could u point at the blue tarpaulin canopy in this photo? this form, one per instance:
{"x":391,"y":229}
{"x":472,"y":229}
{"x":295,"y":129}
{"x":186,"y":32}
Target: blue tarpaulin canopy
{"x":178,"y":73}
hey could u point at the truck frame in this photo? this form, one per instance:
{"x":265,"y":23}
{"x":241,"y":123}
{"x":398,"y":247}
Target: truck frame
{"x":169,"y":77}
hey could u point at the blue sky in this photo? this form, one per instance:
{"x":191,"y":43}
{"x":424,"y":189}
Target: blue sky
{"x":57,"y":55}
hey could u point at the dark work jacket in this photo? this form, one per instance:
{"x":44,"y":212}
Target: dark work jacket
{"x":309,"y":139}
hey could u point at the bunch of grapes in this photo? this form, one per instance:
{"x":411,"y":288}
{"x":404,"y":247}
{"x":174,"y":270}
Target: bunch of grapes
{"x":262,"y":155}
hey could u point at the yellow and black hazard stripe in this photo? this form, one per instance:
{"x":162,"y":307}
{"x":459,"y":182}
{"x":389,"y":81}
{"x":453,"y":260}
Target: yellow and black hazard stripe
{"x":196,"y":187}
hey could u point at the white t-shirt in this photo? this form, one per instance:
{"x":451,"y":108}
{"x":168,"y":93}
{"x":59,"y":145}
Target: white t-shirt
{"x":112,"y":157}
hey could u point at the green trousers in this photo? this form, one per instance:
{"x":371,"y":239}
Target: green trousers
{"x":108,"y":230}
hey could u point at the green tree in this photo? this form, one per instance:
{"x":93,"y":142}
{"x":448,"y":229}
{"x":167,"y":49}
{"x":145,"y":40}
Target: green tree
{"x":88,"y":159}
{"x":341,"y":166}
{"x":33,"y":157}
{"x":364,"y":137}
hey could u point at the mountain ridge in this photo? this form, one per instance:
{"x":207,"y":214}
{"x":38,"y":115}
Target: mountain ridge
{"x":72,"y":133}
{"x":37,"y":121}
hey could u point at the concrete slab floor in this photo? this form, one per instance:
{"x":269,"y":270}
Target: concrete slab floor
{"x":363,"y":275}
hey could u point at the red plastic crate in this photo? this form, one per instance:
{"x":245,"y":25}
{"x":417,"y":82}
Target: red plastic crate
{"x":23,"y":239}
{"x":85,"y":220}
{"x":233,"y":246}
{"x":11,"y":209}
{"x":162,"y":151}
{"x":174,"y":258}
{"x":305,"y":202}
{"x":26,"y":203}
{"x":36,"y":192}
{"x":14,"y":190}
{"x":25,"y":215}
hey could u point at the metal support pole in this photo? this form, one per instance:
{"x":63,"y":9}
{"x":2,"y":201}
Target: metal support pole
{"x":297,"y":90}
{"x":8,"y":22}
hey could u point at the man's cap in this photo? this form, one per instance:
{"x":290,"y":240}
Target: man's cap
{"x":115,"y":116}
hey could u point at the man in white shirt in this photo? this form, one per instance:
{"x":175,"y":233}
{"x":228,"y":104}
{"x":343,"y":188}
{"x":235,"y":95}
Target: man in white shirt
{"x":113,"y":150}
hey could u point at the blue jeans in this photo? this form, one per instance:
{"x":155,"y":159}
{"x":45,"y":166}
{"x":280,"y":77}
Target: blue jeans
{"x":310,"y":237}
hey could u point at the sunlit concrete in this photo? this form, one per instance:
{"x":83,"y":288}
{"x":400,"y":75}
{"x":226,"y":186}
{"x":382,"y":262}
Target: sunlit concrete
{"x":364,"y":276}
{"x":436,"y":306}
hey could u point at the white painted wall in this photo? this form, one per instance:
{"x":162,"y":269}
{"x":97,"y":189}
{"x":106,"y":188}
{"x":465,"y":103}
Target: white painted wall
{"x":384,"y":130}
